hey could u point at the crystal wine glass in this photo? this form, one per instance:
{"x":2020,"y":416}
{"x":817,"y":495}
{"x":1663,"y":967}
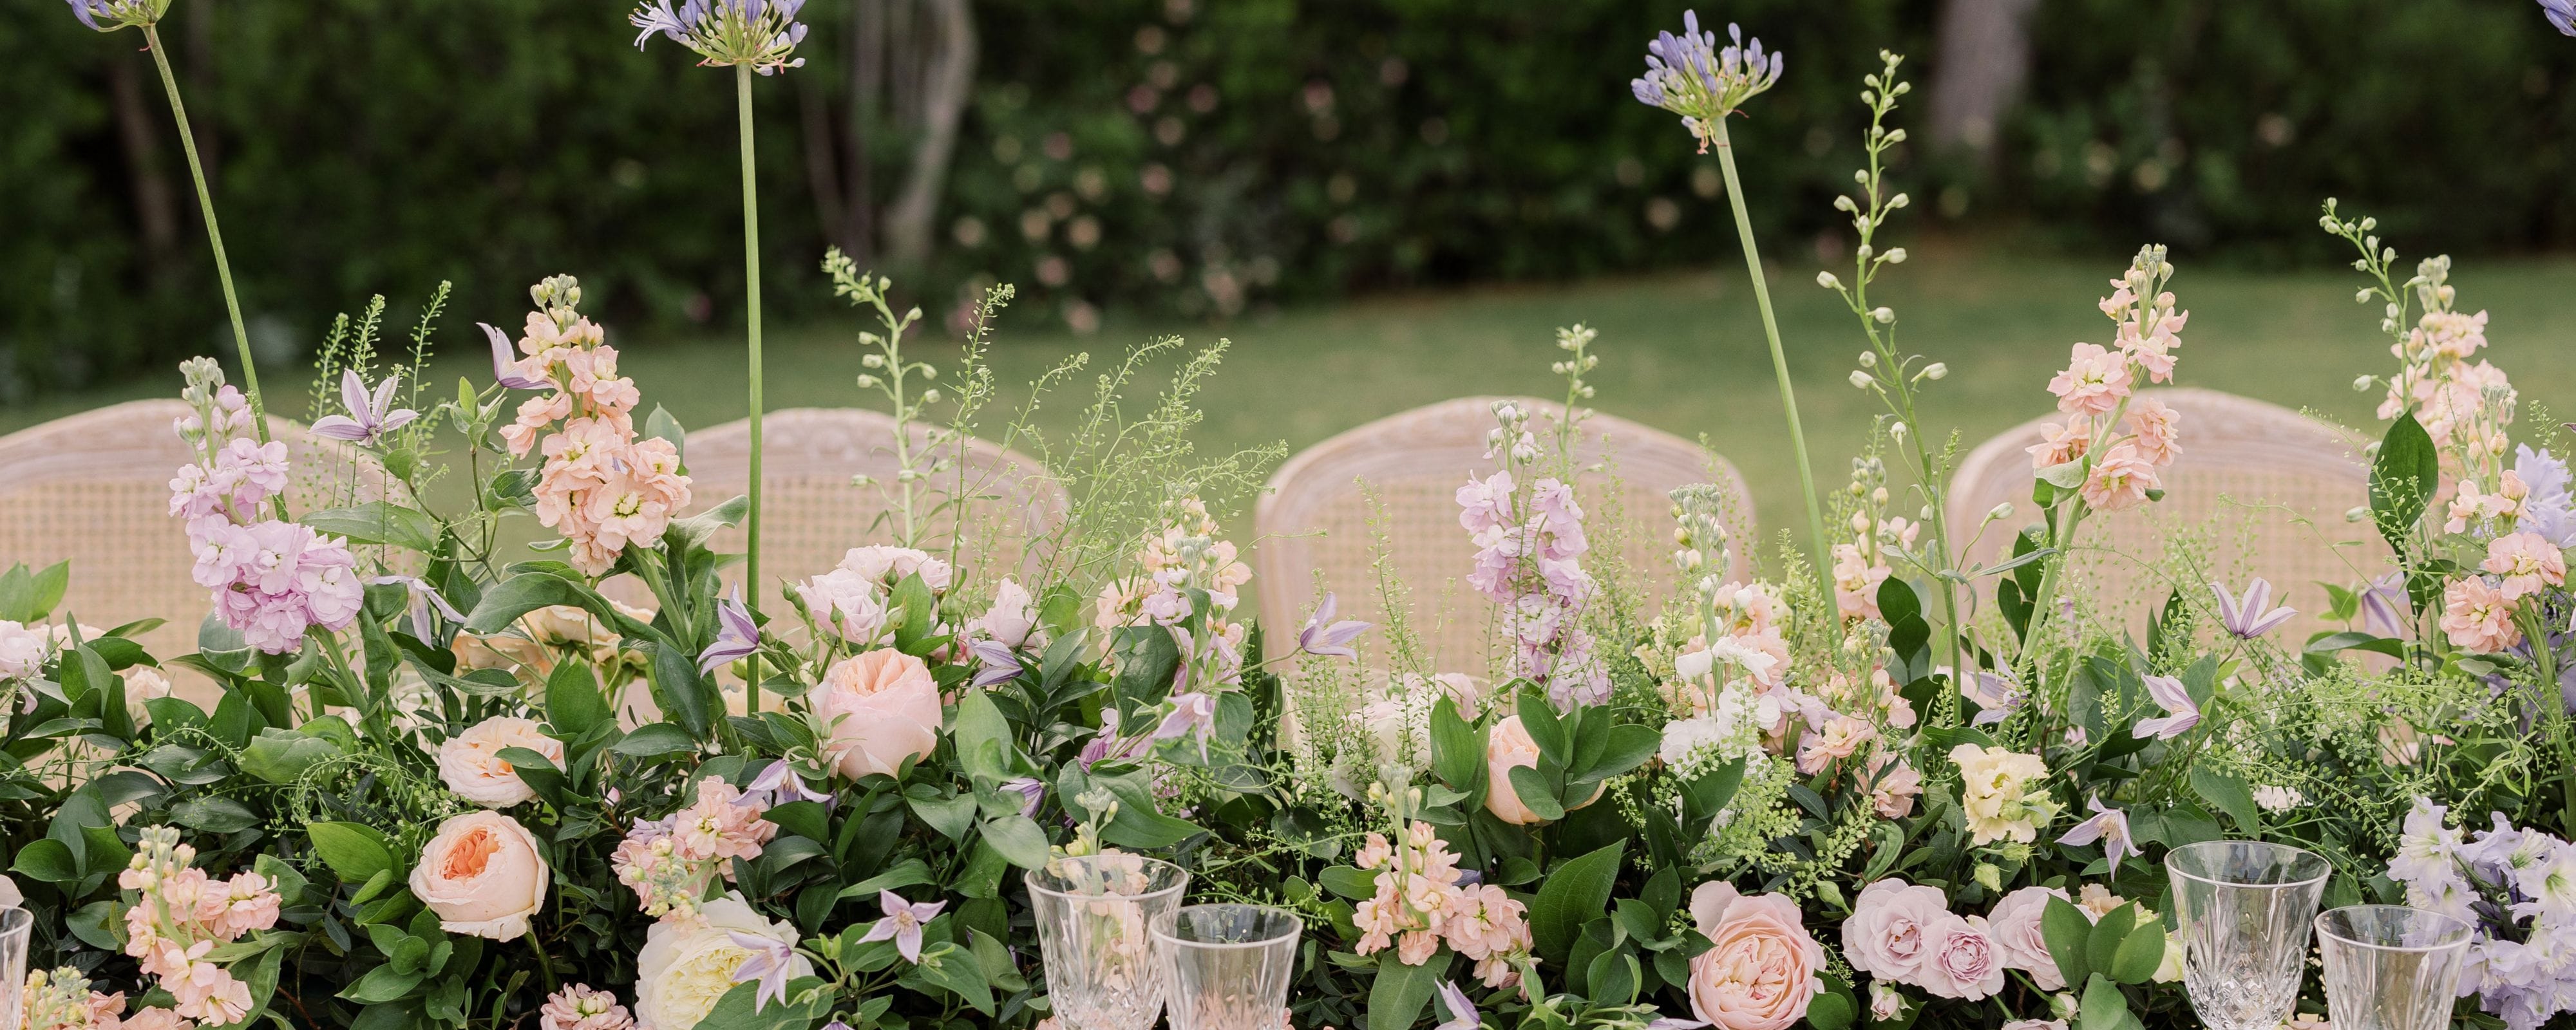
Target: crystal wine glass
{"x":2244,"y":909}
{"x":2389,"y":967}
{"x":1229,"y":966}
{"x":1094,"y":914}
{"x":15,"y":924}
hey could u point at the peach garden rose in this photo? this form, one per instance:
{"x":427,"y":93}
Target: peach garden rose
{"x":877,"y":710}
{"x":1510,"y":746}
{"x":1760,"y":972}
{"x":483,"y":875}
{"x":470,"y":763}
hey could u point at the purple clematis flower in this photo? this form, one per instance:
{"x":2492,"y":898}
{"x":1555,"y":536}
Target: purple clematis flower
{"x":1996,"y":695}
{"x":999,"y":664}
{"x":1462,"y":1013}
{"x":902,"y":923}
{"x":504,"y":368}
{"x":1030,"y":788}
{"x":771,"y":960}
{"x":783,"y":785}
{"x":1191,"y":712}
{"x":737,"y":636}
{"x":2252,"y":615}
{"x":2384,"y":606}
{"x":2181,"y":714}
{"x":2561,"y":15}
{"x":2108,"y":825}
{"x":1323,"y":636}
{"x":371,"y":415}
{"x":423,"y":598}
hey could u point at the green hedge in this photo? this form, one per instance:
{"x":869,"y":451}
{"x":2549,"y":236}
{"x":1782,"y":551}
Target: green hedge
{"x":1292,"y":151}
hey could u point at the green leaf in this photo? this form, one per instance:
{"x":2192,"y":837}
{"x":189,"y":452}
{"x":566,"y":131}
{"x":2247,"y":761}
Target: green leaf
{"x":2102,"y":943}
{"x":2138,"y":956}
{"x":957,"y":971}
{"x":1577,"y":893}
{"x":214,"y":815}
{"x":738,"y":1009}
{"x":1630,"y":746}
{"x":696,"y":529}
{"x":2349,"y":640}
{"x":653,"y":740}
{"x":540,"y":773}
{"x":1457,"y":748}
{"x":2402,"y":480}
{"x":910,"y":872}
{"x":378,"y":522}
{"x":662,"y":425}
{"x":1535,"y":793}
{"x":1540,"y":722}
{"x":47,"y":860}
{"x":527,"y":592}
{"x":1401,"y":991}
{"x":574,"y":703}
{"x":30,"y":596}
{"x":1832,"y":1010}
{"x":983,"y":737}
{"x":2103,"y":1007}
{"x":2067,"y":931}
{"x":382,"y":984}
{"x":1349,"y":882}
{"x":1019,"y":839}
{"x":689,"y":697}
{"x":2230,"y":794}
{"x":100,"y":924}
{"x":281,"y":756}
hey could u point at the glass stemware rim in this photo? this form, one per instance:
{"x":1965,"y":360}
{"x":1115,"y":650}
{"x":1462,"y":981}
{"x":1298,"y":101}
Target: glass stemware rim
{"x":2176,"y":870}
{"x":1031,"y":880}
{"x":15,"y":920}
{"x":2467,"y":936}
{"x":1296,"y":928}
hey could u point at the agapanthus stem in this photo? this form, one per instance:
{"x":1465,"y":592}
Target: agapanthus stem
{"x":214,"y":234}
{"x":751,"y":298}
{"x":1779,"y":361}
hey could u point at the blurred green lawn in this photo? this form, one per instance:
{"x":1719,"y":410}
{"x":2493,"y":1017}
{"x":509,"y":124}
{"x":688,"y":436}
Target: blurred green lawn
{"x":1684,"y":353}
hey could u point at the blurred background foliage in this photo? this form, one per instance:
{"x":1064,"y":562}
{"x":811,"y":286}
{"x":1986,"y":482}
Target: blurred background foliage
{"x":1190,"y":159}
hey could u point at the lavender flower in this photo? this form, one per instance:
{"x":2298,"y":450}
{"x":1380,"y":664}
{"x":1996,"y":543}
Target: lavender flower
{"x":2561,"y":15}
{"x":770,"y":963}
{"x":2109,"y":826}
{"x":757,"y":33}
{"x":2181,"y":713}
{"x":737,"y":637}
{"x":783,"y":785}
{"x":118,"y":14}
{"x":423,"y":597}
{"x":1031,"y":789}
{"x":371,"y":414}
{"x":1323,"y":636}
{"x":505,"y":368}
{"x":1691,"y":76}
{"x":2252,"y":615}
{"x":999,"y":664}
{"x":1462,"y":1012}
{"x":1191,"y":712}
{"x":902,"y":923}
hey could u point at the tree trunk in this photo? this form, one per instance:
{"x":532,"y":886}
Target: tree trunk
{"x":1984,"y":56}
{"x":946,"y":39}
{"x":155,"y":211}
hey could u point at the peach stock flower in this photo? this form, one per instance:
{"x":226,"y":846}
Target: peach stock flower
{"x":483,"y":875}
{"x":878,"y":709}
{"x":2060,"y":444}
{"x":2094,"y":383}
{"x":1760,"y":972}
{"x":1893,"y":792}
{"x":470,"y":763}
{"x":2155,"y":427}
{"x":2479,"y":617}
{"x":2527,"y":562}
{"x":2120,"y":481}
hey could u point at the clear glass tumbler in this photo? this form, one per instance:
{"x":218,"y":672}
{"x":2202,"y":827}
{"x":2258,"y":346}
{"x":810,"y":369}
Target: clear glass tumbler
{"x":1095,"y":915}
{"x":15,"y":924}
{"x":2389,"y":967}
{"x":1228,"y":966}
{"x":2244,"y":910}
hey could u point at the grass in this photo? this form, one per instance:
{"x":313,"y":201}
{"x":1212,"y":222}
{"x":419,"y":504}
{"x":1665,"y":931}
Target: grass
{"x":1681,"y":352}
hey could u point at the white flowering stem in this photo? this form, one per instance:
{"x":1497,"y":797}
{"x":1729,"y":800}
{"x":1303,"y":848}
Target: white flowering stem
{"x":1779,"y":360}
{"x":751,"y":300}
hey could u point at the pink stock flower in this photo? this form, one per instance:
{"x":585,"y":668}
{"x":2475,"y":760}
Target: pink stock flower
{"x":2478,"y":617}
{"x":2060,"y":444}
{"x":2121,"y":480}
{"x":2094,"y":383}
{"x":1892,"y":791}
{"x":2155,"y":427}
{"x":723,"y":824}
{"x":1841,"y":738}
{"x":1486,"y":503}
{"x":2527,"y":562}
{"x":275,"y":580}
{"x":578,"y":1007}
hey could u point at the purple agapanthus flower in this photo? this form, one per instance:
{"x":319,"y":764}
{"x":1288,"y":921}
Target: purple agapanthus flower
{"x":737,"y":635}
{"x":770,"y":963}
{"x":1323,"y":636}
{"x":2561,"y":15}
{"x":371,"y":413}
{"x":759,"y":34}
{"x":423,"y":598}
{"x":1690,"y":75}
{"x":2181,"y":712}
{"x":2251,"y":615}
{"x":504,"y":367}
{"x":111,"y":15}
{"x":2109,"y":826}
{"x":902,"y":923}
{"x":998,"y":663}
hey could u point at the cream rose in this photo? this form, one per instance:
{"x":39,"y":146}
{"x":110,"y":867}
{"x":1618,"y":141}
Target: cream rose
{"x":471,"y":764}
{"x":878,"y":709}
{"x":482,"y":875}
{"x":1760,"y":972}
{"x":688,"y":965}
{"x":1507,"y":747}
{"x":846,"y":604}
{"x":1886,"y":934}
{"x":2015,"y":924}
{"x":889,"y":565}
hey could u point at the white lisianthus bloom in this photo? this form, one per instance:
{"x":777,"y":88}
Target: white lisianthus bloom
{"x":688,"y":965}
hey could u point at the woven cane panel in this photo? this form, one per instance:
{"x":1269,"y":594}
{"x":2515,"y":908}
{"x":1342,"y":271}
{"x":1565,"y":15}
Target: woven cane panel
{"x":812,"y":514}
{"x":93,"y":489}
{"x":1315,"y":522}
{"x":2260,"y":489}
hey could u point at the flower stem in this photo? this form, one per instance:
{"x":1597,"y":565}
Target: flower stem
{"x":215,"y":236}
{"x":545,"y":962}
{"x":751,"y":296}
{"x":1779,"y":361}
